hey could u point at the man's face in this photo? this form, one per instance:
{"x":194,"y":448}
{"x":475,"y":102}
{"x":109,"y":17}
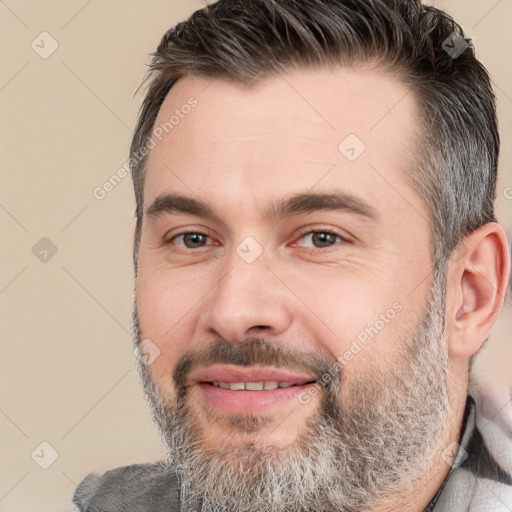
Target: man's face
{"x":247,"y":292}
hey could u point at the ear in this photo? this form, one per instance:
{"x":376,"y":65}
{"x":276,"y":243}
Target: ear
{"x":477,"y":280}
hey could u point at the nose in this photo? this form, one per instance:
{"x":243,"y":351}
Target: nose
{"x":247,"y":300}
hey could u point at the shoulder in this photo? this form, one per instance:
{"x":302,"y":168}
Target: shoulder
{"x":134,"y":488}
{"x":482,"y":478}
{"x":494,"y":422}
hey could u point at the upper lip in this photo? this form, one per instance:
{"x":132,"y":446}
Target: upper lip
{"x":230,"y":373}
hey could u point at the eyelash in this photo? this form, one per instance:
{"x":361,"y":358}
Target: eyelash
{"x":302,"y":232}
{"x":307,"y":231}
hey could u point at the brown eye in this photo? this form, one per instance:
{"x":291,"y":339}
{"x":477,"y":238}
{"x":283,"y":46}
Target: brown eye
{"x":191,"y":240}
{"x":322,"y":239}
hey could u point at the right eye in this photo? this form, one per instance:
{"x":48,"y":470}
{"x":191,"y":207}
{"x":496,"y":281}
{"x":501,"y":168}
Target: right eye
{"x":190,"y":239}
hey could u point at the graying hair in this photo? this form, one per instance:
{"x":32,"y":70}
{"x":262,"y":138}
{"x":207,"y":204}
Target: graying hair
{"x":247,"y":41}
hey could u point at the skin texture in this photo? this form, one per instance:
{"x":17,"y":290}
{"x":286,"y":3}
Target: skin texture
{"x":239,"y":149}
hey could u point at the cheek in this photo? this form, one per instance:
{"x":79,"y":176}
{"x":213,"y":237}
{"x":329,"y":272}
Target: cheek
{"x":359,"y":320}
{"x":166,"y":308}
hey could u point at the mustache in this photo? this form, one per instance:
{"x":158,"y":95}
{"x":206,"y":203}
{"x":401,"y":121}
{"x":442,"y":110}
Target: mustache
{"x":249,"y":352}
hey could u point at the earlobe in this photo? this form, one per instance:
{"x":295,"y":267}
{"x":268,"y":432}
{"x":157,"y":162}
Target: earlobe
{"x":478,"y":279}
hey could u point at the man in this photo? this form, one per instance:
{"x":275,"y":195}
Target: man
{"x":317,"y":264}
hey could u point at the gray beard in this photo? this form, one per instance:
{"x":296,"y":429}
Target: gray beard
{"x":369,"y":438}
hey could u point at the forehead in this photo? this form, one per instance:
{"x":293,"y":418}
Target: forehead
{"x":342,"y":128}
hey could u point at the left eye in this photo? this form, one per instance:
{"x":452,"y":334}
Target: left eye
{"x":322,"y":239}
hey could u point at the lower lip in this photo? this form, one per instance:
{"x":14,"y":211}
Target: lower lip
{"x":229,"y":402}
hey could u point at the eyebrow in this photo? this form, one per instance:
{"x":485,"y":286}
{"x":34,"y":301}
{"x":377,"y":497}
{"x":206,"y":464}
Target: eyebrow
{"x":297,"y":204}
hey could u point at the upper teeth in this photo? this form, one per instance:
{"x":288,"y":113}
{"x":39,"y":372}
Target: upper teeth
{"x":253,"y":386}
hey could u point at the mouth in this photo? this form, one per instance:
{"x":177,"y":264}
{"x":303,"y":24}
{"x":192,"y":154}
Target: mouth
{"x":232,"y":390}
{"x":256,"y":386}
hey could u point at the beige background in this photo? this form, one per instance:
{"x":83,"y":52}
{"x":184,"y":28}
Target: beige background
{"x":67,"y":369}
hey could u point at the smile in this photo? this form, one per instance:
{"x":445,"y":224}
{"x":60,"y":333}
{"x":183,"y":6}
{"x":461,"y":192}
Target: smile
{"x":253,"y":386}
{"x":239,"y":390}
